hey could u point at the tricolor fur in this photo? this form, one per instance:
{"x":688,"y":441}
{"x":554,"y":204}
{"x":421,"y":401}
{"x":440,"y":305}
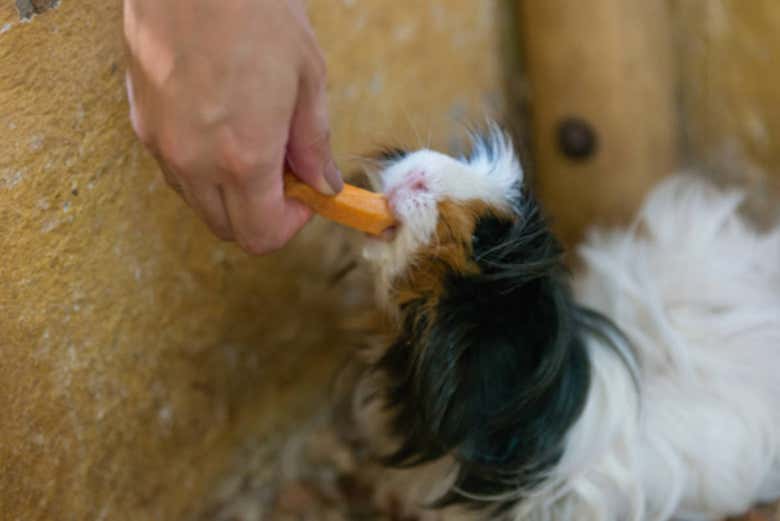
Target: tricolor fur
{"x":649,"y":390}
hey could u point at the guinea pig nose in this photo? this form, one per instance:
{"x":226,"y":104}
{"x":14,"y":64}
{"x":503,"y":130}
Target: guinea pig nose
{"x":408,"y":186}
{"x":416,"y":181}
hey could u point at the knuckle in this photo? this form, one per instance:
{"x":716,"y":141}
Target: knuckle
{"x":180,"y":158}
{"x":321,"y":140}
{"x":222,"y":232}
{"x":240,"y":168}
{"x":179,"y":166}
{"x":256,"y":247}
{"x":262,"y":243}
{"x":241,"y":161}
{"x":313,"y":147}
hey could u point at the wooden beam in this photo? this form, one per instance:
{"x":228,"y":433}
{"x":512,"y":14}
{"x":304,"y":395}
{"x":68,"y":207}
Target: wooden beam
{"x":729,"y":72}
{"x":601,"y":80}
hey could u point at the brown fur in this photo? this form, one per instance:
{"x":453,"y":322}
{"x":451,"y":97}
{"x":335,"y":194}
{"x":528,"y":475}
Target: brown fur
{"x":449,"y":252}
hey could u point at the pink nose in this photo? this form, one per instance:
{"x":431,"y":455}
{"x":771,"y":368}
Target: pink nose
{"x":413,"y":183}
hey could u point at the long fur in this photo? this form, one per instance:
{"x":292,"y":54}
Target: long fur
{"x":650,"y":392}
{"x":495,"y":373}
{"x":697,"y":291}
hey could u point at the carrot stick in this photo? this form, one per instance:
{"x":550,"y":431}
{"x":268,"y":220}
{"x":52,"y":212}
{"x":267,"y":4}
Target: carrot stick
{"x":354,"y":207}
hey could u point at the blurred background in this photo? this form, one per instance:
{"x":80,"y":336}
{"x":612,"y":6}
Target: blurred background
{"x":142,"y":361}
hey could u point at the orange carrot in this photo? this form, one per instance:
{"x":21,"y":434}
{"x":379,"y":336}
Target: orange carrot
{"x":354,"y":207}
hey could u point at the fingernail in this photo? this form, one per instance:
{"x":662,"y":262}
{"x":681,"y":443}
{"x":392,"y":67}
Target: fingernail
{"x":333,"y":177}
{"x":323,"y":187}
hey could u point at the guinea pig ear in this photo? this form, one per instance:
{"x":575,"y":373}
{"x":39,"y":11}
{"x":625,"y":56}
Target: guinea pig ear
{"x":494,"y":154}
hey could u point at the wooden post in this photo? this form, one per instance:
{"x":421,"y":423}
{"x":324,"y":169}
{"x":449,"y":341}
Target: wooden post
{"x":602,"y":106}
{"x":730,"y":56}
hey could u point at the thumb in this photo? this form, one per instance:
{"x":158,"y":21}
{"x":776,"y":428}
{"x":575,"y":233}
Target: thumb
{"x":308,"y":150}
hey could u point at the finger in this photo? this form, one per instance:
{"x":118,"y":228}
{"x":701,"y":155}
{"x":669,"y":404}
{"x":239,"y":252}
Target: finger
{"x":205,"y":199}
{"x":171,"y":179}
{"x":308,"y":149}
{"x":208,"y":202}
{"x":263,"y":220}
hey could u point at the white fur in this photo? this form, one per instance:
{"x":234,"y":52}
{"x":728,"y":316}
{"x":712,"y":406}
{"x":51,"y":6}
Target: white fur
{"x":696,"y":290}
{"x":491,"y":174}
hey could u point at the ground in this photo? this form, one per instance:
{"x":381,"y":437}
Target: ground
{"x":321,"y":473}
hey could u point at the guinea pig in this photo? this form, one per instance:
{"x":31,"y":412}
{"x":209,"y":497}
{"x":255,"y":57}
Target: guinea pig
{"x":645,"y":387}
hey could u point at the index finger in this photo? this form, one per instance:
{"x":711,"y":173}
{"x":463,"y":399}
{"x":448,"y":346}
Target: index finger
{"x":263,"y":219}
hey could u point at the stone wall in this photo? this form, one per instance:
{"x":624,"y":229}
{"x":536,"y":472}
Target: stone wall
{"x":137,"y":351}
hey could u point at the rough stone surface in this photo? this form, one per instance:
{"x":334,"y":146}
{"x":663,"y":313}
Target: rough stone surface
{"x":137,"y":351}
{"x":28,"y":8}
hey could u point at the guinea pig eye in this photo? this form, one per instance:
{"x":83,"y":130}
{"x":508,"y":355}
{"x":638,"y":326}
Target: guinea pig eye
{"x":391,"y":154}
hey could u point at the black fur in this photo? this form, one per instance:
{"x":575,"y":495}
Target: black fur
{"x":391,"y":154}
{"x":500,"y":373}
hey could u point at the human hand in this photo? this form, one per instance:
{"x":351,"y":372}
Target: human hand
{"x":224,"y":94}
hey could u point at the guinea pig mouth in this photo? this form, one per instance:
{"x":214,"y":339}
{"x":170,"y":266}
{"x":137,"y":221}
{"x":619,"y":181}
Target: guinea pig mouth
{"x":387,"y":235}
